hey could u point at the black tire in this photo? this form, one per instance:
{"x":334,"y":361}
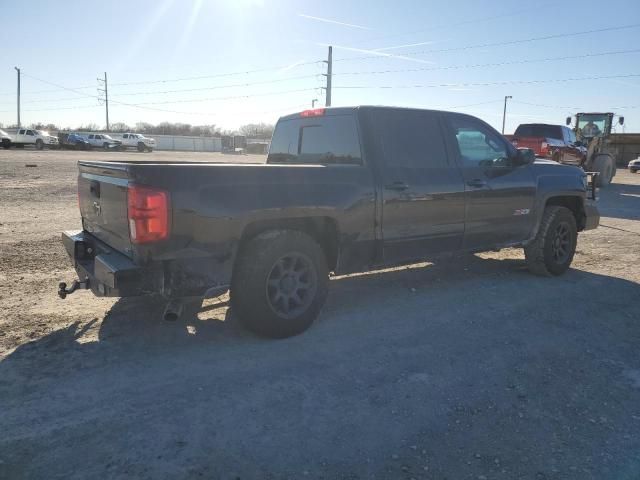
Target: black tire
{"x":280,"y":283}
{"x":6,"y":144}
{"x":552,"y":251}
{"x":149,"y":149}
{"x":105,"y":146}
{"x":39,"y":144}
{"x":141,"y":147}
{"x":603,"y":164}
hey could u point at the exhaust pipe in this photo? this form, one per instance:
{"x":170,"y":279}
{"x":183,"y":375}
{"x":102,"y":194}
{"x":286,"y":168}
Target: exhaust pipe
{"x":173,"y":310}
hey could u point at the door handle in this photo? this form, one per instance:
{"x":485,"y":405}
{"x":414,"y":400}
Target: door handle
{"x":397,"y":186}
{"x":477,"y":183}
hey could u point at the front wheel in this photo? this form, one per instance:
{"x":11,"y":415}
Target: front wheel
{"x":105,"y":146}
{"x":39,"y":144}
{"x":141,"y":147}
{"x":6,"y":144}
{"x":280,"y":283}
{"x":552,"y":251}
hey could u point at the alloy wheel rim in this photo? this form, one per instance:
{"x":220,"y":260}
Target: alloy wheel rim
{"x":561,"y":244}
{"x":291,"y":285}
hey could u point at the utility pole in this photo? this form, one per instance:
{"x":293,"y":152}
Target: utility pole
{"x":105,"y":90}
{"x":18,"y":70}
{"x":329,"y":73}
{"x":313,"y":103}
{"x":504,"y":112}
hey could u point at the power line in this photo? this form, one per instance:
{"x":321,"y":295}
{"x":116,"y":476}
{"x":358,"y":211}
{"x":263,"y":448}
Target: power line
{"x":217,"y":75}
{"x":482,"y":84}
{"x":498,"y":44}
{"x":496,"y":64}
{"x":374,"y":72}
{"x":561,"y":107}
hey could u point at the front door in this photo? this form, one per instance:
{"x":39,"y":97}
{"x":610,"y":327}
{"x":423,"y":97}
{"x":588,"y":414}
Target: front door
{"x":423,"y":192}
{"x":499,"y":194}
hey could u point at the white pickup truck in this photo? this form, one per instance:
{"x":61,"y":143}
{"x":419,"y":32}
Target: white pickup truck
{"x":101,"y":140}
{"x":139,"y":141}
{"x":37,"y":138}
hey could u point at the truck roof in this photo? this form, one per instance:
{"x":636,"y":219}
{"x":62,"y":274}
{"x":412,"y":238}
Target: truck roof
{"x":350,"y":109}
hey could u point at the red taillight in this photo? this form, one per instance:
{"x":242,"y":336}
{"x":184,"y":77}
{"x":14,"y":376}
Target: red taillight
{"x":148,"y":213}
{"x":316,"y":112}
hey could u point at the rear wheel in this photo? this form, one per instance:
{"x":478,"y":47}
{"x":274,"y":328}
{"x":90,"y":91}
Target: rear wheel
{"x":141,"y":147}
{"x":280,"y":283}
{"x":551,"y":252}
{"x":6,"y":144}
{"x":39,"y":144}
{"x":603,"y":164}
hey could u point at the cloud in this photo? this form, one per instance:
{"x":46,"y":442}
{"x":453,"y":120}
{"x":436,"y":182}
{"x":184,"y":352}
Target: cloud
{"x":335,"y":22}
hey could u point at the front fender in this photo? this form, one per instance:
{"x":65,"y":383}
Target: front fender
{"x":557,"y":190}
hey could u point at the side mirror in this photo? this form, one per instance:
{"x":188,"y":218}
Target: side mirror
{"x":621,"y":120}
{"x":568,"y":121}
{"x":525,"y":156}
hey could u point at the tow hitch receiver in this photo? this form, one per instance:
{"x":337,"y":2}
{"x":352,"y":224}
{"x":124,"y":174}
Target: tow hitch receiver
{"x":63,"y":291}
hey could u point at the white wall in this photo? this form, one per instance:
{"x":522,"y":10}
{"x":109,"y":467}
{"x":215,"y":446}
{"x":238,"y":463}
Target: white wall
{"x":183,"y":143}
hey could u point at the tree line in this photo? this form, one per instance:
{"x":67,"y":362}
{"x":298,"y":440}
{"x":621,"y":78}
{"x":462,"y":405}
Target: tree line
{"x":253,"y":130}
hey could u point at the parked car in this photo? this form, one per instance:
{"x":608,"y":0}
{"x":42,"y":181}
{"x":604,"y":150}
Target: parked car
{"x":139,"y":141}
{"x":37,"y":138}
{"x":550,"y":141}
{"x":343,"y":190}
{"x":73,"y":141}
{"x":634,"y":165}
{"x":104,"y":141}
{"x":5,"y":139}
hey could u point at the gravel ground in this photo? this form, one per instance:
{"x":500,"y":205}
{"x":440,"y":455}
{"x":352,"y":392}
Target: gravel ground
{"x":466,"y":369}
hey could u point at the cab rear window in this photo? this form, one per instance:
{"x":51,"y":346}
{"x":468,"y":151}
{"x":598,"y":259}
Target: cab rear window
{"x":323,"y":140}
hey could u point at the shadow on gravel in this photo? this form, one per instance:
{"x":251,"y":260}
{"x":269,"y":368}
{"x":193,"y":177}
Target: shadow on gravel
{"x":467,"y":369}
{"x":620,"y":200}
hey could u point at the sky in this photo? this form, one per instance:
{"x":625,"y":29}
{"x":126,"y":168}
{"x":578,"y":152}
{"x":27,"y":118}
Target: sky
{"x":234,"y":62}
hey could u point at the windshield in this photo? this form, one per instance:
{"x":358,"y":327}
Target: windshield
{"x":3,"y":133}
{"x":592,"y":125}
{"x":42,"y":132}
{"x":107,"y":137}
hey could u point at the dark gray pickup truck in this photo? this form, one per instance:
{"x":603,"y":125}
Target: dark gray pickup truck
{"x":343,"y":190}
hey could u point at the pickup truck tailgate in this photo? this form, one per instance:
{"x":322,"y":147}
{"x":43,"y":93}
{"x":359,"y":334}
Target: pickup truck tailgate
{"x":102,"y":198}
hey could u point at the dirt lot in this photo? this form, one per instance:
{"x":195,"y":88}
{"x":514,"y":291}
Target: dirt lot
{"x":468,"y":369}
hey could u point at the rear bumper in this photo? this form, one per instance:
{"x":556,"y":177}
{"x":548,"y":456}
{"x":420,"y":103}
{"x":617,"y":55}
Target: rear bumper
{"x":108,"y":272}
{"x":592,"y":215}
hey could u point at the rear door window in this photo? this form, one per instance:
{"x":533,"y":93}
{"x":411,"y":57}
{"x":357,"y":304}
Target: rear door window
{"x":413,"y":139}
{"x":329,"y":139}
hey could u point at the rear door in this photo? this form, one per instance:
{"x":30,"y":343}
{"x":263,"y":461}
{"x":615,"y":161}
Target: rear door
{"x":499,"y":194}
{"x":423,"y":192}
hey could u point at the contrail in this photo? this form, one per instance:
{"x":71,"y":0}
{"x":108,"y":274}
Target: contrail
{"x":404,"y":46}
{"x":327,"y":20}
{"x":380,"y":54}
